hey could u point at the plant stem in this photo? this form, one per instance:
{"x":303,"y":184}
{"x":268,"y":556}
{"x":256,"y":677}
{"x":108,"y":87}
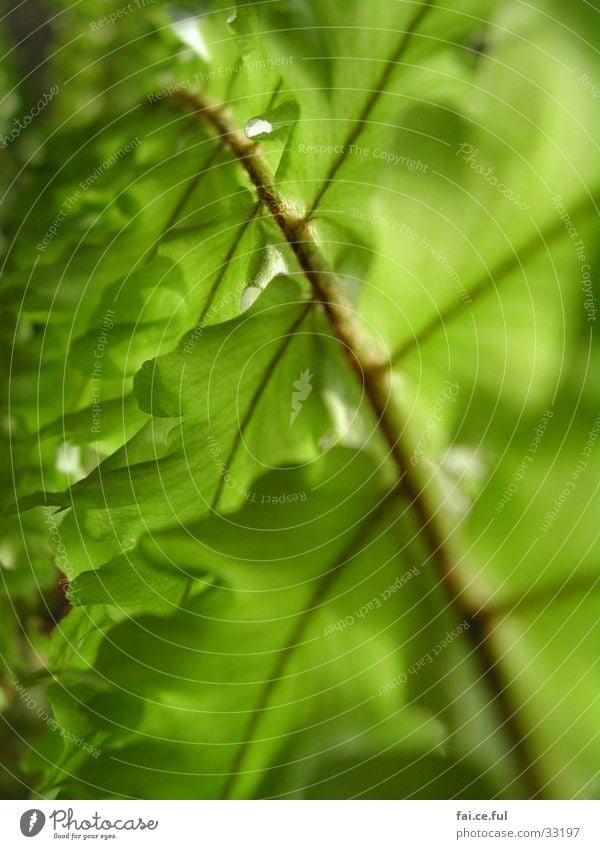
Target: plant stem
{"x":372,"y":368}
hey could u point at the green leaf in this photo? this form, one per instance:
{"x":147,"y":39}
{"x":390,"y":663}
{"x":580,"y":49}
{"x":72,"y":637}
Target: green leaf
{"x":300,"y":324}
{"x":228,"y":652}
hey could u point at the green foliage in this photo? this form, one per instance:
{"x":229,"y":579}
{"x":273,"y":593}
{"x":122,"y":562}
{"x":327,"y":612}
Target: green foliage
{"x":292,"y":572}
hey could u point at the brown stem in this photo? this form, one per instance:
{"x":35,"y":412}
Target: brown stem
{"x":372,"y":369}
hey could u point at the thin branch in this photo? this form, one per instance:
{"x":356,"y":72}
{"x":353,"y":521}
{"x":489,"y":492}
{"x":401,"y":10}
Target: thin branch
{"x":373,"y":371}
